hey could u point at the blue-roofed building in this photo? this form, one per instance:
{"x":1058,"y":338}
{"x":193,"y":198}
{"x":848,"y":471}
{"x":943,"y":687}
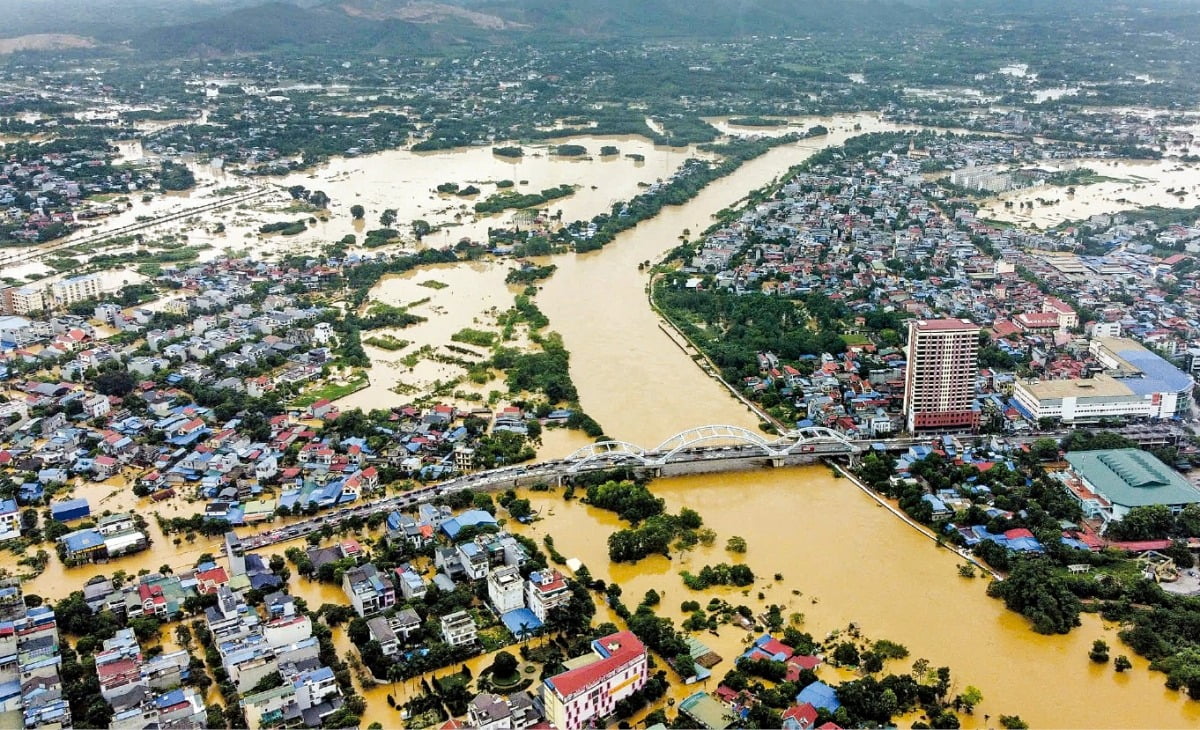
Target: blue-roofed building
{"x":320,"y":682}
{"x":326,"y":496}
{"x":411,"y":584}
{"x":1075,"y":543}
{"x":1136,"y":383}
{"x":521,"y":622}
{"x":435,"y":471}
{"x":31,"y":493}
{"x":433,"y":514}
{"x":918,"y":452}
{"x":471,"y":517}
{"x":289,"y":498}
{"x":769,"y":648}
{"x":10,"y":693}
{"x":81,"y":545}
{"x":369,"y":591}
{"x":819,"y":695}
{"x":10,"y":519}
{"x":474,"y":560}
{"x":167,"y":699}
{"x":71,"y":509}
{"x":53,"y":475}
{"x":939,"y":507}
{"x":1017,"y":539}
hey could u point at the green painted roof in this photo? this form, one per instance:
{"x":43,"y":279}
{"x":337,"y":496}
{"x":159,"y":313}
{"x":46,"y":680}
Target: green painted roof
{"x":706,"y":711}
{"x":1133,"y":478}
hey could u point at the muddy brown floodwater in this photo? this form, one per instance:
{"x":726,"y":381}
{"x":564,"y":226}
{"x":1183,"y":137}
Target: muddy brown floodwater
{"x":849,"y":559}
{"x":853,"y":561}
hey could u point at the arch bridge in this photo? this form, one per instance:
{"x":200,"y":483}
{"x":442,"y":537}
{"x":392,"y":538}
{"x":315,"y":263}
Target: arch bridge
{"x":710,"y":441}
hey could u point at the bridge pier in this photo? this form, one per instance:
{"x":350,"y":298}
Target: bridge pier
{"x":777,"y":461}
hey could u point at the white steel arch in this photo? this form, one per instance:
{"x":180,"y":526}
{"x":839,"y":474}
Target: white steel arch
{"x":606,"y":451}
{"x":703,"y":434}
{"x":816,"y":434}
{"x":618,"y":452}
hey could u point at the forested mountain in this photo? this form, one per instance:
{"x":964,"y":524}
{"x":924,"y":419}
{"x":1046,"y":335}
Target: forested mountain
{"x":107,"y":20}
{"x":206,"y":27}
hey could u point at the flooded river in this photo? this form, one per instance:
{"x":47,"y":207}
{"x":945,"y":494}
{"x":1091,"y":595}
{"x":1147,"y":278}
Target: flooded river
{"x":632,"y":378}
{"x":849,"y":559}
{"x":853,"y":561}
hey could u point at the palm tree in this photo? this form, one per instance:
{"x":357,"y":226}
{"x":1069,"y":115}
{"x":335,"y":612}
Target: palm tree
{"x":395,"y":672}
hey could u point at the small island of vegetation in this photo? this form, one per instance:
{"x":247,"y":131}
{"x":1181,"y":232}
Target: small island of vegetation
{"x":757,"y":121}
{"x":512,"y":199}
{"x":570,"y":150}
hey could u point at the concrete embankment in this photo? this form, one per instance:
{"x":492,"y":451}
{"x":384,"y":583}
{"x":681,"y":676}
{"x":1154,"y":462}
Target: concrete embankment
{"x":913,"y":523}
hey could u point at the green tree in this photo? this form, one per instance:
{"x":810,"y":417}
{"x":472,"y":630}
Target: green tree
{"x":1033,"y":590}
{"x":970,"y":697}
{"x":736,"y":544}
{"x":357,"y":212}
{"x":387,"y":217}
{"x":504,"y":664}
{"x":1152,"y":522}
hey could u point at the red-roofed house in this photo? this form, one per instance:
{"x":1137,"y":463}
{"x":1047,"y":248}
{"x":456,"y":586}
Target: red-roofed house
{"x":544,"y":591}
{"x":1004,"y":328}
{"x":209,"y":581}
{"x":1037,"y":321}
{"x":117,"y":674}
{"x":193,"y":425}
{"x":1067,"y":318}
{"x":104,"y":467}
{"x":320,"y":409}
{"x":154,"y":603}
{"x":577,"y":697}
{"x":799,"y":663}
{"x":800,"y":717}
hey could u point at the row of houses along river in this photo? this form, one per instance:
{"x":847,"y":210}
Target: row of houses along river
{"x":843,"y":558}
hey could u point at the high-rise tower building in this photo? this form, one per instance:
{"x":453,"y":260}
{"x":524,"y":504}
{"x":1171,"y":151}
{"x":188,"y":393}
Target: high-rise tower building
{"x":939,"y":383}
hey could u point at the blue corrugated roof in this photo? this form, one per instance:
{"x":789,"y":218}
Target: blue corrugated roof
{"x":521,"y":621}
{"x":166,"y":699}
{"x":81,"y":540}
{"x":819,"y":695}
{"x":70,"y":506}
{"x":466,"y":519}
{"x":1160,"y":376}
